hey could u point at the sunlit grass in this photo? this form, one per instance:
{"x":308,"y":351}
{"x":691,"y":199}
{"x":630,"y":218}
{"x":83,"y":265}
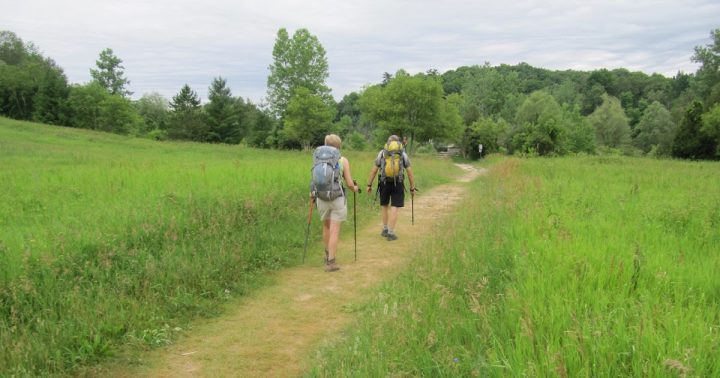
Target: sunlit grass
{"x":107,"y":240}
{"x":594,"y":266}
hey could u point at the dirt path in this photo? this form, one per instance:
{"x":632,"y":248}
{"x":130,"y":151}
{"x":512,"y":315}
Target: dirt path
{"x":273,"y":331}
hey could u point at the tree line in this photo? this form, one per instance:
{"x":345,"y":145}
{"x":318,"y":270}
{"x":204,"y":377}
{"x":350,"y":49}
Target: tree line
{"x":516,"y":109}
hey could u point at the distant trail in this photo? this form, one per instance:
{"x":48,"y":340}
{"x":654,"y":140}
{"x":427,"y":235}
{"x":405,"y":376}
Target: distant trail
{"x":274,"y":331}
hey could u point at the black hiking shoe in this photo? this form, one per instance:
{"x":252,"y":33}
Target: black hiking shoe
{"x":330,"y":266}
{"x":391,"y":237}
{"x":384,"y":233}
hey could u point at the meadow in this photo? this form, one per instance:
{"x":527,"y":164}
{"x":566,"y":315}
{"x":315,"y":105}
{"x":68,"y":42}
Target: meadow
{"x":597,"y":266}
{"x":110,"y":242}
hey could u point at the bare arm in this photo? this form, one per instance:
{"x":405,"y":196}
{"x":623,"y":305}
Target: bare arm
{"x":411,"y":176}
{"x":348,"y":177}
{"x":373,"y":172}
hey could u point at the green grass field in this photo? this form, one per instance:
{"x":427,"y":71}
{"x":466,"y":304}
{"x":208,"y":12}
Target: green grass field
{"x":108,"y":241}
{"x":569,"y":267}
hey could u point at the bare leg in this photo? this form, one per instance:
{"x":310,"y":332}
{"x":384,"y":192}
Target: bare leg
{"x":333,"y":238}
{"x":326,"y":232}
{"x":393,"y":217}
{"x":385,"y":215}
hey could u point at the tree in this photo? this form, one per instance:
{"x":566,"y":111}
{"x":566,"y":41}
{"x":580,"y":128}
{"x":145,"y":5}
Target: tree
{"x":51,"y":97}
{"x":223,"y":118}
{"x":154,"y":110}
{"x":490,"y":90}
{"x":690,"y":141}
{"x":580,"y":133}
{"x":487,"y":132}
{"x":12,"y":49}
{"x":84,"y":105}
{"x":711,"y":126}
{"x":260,"y":125}
{"x":307,"y":117}
{"x":412,"y":106}
{"x":110,"y":74}
{"x":707,"y":84}
{"x":540,"y":127}
{"x":117,"y":115}
{"x":186,"y":119}
{"x":297,"y":62}
{"x":655,"y":130}
{"x":610,"y":123}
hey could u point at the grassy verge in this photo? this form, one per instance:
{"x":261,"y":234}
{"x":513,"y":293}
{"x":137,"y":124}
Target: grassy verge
{"x":556,"y":267}
{"x":108,"y":241}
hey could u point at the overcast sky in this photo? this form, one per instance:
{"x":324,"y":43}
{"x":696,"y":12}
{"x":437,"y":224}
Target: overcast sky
{"x":167,"y":43}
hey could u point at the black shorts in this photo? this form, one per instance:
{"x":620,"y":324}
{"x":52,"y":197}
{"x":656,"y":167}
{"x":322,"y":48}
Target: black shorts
{"x":392,"y":194}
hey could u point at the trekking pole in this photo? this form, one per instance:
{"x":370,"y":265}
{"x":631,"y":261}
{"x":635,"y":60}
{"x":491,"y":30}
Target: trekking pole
{"x":355,"y":218}
{"x":307,"y":232}
{"x":412,"y":204}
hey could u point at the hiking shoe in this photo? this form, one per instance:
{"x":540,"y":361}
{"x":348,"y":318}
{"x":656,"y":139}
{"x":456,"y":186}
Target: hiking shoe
{"x":391,"y":237}
{"x":330,"y":266}
{"x":384,"y":233}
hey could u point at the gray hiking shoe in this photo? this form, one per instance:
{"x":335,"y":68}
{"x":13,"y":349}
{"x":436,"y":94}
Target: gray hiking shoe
{"x":384,"y":233}
{"x":391,"y":237}
{"x":330,"y":266}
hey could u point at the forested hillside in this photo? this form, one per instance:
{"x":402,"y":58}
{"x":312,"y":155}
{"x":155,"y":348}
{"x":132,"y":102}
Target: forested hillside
{"x":518,"y":109}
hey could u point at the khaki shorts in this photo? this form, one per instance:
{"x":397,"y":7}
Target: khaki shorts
{"x":334,"y":210}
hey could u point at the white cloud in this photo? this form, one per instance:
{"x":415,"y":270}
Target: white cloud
{"x":165,"y":44}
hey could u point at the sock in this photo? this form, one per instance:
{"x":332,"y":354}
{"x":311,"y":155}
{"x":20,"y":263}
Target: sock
{"x":391,"y":232}
{"x":385,"y":227}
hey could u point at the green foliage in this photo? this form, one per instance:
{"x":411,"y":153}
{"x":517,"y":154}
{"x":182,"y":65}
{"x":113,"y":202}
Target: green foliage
{"x":492,"y":92}
{"x":117,"y":115}
{"x":307,"y":118}
{"x":223,"y":114}
{"x":610,"y":123}
{"x":154,"y":110}
{"x":412,"y":106}
{"x":711,"y":126}
{"x":51,"y":97}
{"x":356,"y":141}
{"x":31,"y":86}
{"x":297,"y":62}
{"x":109,"y":73}
{"x":707,"y":84}
{"x":186,"y":121}
{"x":655,"y":129}
{"x":92,"y":107}
{"x":84,"y":103}
{"x":690,"y":141}
{"x":487,"y":132}
{"x":541,"y":127}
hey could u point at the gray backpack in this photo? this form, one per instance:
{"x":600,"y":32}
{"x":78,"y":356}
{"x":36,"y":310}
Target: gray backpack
{"x":325,"y":183}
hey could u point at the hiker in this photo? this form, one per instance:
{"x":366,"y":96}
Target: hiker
{"x":331,"y":204}
{"x":391,"y":162}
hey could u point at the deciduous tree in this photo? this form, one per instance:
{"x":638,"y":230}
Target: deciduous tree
{"x":109,"y":73}
{"x":307,"y":117}
{"x":297,"y":62}
{"x":655,"y":130}
{"x":610,"y":123}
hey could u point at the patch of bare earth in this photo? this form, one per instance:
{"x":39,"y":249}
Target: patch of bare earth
{"x":274,"y":331}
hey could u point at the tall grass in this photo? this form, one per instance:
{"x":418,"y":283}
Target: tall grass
{"x":589,"y":266}
{"x":108,"y":241}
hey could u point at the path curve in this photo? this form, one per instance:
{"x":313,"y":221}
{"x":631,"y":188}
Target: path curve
{"x":275,"y":329}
